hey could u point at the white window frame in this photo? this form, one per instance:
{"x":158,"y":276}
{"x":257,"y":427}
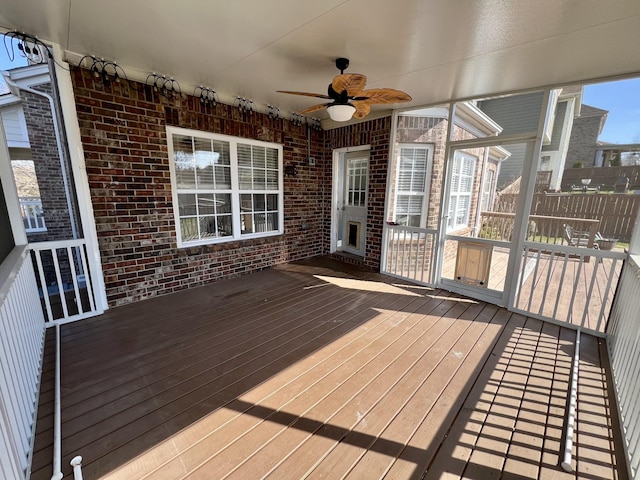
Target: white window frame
{"x":457,"y":193}
{"x":414,"y":193}
{"x":487,"y":193}
{"x":235,"y":190}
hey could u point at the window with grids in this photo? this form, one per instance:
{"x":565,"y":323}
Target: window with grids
{"x":225,"y":188}
{"x":411,"y":185}
{"x":462,"y":172}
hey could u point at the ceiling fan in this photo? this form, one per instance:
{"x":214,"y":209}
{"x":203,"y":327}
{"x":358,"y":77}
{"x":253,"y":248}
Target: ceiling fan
{"x":349,"y":99}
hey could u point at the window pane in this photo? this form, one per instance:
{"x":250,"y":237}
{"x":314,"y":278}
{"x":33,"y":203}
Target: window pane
{"x":259,"y":157}
{"x":260,"y":220}
{"x":223,"y":203}
{"x":225,"y":228}
{"x":258,"y":202}
{"x":244,"y":178}
{"x":244,"y":155}
{"x":246,"y":223}
{"x":272,"y":202}
{"x":207,"y":227}
{"x":222,"y":157}
{"x":223,"y":177}
{"x":246,"y":204}
{"x":272,"y":158}
{"x":203,"y":163}
{"x":272,"y":180}
{"x":259,"y":180}
{"x":206,"y":204}
{"x":184,"y":161}
{"x":187,"y":204}
{"x":272,"y":221}
{"x":189,"y":229}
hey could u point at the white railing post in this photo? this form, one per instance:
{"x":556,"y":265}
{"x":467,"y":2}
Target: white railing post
{"x":32,"y":214}
{"x":76,"y":463}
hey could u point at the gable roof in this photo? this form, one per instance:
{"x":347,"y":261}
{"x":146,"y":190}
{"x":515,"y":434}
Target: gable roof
{"x":4,"y":88}
{"x":590,"y":111}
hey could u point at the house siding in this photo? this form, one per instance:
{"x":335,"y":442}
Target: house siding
{"x":123,"y":130}
{"x":515,"y":114}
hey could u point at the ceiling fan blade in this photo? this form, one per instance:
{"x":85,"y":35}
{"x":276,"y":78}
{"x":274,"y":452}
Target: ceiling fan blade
{"x":353,"y":83}
{"x":384,"y":95}
{"x":362,"y":109}
{"x":306,"y":94}
{"x":320,"y":106}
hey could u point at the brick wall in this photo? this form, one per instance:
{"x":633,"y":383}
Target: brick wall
{"x":433,"y":130}
{"x":124,"y":139}
{"x":582,"y":143}
{"x":375,"y":133}
{"x":46,"y":160}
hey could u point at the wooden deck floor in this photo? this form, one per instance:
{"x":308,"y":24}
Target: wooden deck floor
{"x":320,"y":370}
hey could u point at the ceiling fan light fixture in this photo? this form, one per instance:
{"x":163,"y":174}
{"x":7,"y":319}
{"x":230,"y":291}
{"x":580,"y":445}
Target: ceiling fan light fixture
{"x":341,"y":113}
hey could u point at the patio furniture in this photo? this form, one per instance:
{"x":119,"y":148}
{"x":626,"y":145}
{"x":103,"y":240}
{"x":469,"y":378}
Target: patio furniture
{"x":581,"y":238}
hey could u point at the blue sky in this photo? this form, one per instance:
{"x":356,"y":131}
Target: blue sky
{"x":18,"y":61}
{"x":622,"y":99}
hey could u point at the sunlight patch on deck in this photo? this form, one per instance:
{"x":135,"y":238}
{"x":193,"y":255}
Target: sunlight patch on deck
{"x":366,"y":285}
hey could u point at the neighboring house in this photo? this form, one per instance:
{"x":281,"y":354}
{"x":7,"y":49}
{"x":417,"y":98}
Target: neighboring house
{"x":564,"y":106}
{"x":587,"y":126}
{"x":554,"y":156}
{"x":420,"y":166}
{"x":41,"y":179}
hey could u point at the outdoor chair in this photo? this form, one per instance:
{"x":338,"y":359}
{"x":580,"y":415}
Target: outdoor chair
{"x":579,"y":238}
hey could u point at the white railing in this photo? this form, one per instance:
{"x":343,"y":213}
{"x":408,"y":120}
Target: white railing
{"x":623,"y":339}
{"x":22,"y":329}
{"x":32,"y":214}
{"x":65,"y":281}
{"x":568,"y":285}
{"x":410,"y":253}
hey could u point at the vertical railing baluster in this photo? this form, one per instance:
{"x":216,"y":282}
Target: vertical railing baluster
{"x":44,"y":286}
{"x":87,"y":276}
{"x":56,"y":267}
{"x":74,"y":279}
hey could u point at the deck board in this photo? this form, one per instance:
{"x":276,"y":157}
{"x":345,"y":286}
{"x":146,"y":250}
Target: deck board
{"x":321,"y":370}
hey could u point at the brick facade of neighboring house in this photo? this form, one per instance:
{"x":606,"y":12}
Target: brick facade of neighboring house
{"x":433,"y":131}
{"x":584,"y":136}
{"x":124,"y":139}
{"x":46,"y":160}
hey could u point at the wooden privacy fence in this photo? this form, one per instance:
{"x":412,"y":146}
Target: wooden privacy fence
{"x":617,"y":213}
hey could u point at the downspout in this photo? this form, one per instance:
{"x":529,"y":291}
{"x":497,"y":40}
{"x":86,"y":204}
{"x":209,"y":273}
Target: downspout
{"x":57,"y":437}
{"x":61,"y":156}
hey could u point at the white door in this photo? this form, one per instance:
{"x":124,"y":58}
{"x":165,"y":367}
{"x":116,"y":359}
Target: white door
{"x":354,"y":203}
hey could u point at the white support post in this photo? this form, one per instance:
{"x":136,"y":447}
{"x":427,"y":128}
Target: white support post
{"x":76,"y":463}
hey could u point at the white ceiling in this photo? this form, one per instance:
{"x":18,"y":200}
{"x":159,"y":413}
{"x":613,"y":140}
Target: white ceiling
{"x":433,"y":49}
